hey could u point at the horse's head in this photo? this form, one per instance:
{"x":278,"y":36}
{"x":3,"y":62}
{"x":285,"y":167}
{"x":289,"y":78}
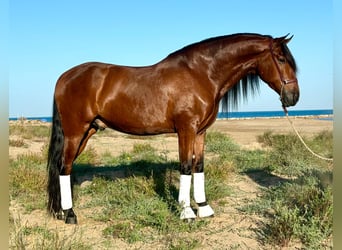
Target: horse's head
{"x":278,"y":69}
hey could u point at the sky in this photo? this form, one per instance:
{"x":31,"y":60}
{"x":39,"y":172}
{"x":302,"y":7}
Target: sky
{"x":46,"y":38}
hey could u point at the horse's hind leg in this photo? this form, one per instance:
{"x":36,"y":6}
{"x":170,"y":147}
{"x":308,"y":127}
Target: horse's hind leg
{"x":73,"y":146}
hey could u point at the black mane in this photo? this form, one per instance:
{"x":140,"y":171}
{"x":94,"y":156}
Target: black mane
{"x":289,"y":58}
{"x":250,"y":84}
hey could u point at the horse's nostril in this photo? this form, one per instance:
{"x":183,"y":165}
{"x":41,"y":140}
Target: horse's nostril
{"x":289,"y":99}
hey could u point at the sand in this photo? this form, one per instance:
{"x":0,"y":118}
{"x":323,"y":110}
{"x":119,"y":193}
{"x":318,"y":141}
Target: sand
{"x":231,"y":228}
{"x":243,"y":131}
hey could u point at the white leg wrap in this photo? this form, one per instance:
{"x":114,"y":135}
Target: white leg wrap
{"x":205,"y":211}
{"x":184,"y":197}
{"x":184,"y":190}
{"x":199,"y":195}
{"x":66,"y":197}
{"x":187,"y":213}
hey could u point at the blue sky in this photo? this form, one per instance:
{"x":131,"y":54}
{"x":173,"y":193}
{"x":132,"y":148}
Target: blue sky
{"x":48,"y":37}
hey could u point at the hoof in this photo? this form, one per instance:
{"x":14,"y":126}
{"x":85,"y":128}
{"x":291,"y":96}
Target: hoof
{"x":187,"y":214}
{"x":70,"y":216}
{"x":60,"y":215}
{"x":205,"y":211}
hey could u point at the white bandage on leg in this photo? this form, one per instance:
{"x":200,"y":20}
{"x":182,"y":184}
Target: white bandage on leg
{"x":199,"y":195}
{"x":184,"y":190}
{"x":184,"y":197}
{"x":66,"y":196}
{"x":205,"y":211}
{"x":199,"y":192}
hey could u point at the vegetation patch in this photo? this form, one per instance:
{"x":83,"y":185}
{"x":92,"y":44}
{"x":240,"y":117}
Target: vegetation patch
{"x":17,"y":143}
{"x":41,"y":237}
{"x":141,"y":206}
{"x":26,"y":131}
{"x":134,"y":195}
{"x":288,"y":156}
{"x":298,"y":209}
{"x":27,"y":181}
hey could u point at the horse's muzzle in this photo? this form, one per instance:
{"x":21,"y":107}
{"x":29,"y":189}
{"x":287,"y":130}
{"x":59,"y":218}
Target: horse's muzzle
{"x":289,"y":96}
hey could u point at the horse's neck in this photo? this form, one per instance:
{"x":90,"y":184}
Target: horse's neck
{"x":228,"y":67}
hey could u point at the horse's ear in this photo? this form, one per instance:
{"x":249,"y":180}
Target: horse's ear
{"x":287,"y":40}
{"x":284,"y":39}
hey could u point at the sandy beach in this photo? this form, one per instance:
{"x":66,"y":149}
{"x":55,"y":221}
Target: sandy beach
{"x":243,"y":131}
{"x":231,"y":226}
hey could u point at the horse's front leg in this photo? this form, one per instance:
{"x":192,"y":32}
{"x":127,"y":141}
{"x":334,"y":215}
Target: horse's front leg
{"x":186,"y":143}
{"x":204,"y":210}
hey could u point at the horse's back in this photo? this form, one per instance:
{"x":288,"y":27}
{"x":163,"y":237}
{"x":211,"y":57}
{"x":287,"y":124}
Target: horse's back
{"x":82,"y":75}
{"x":129,"y":99}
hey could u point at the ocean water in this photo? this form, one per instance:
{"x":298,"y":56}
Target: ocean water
{"x":238,"y":115}
{"x":280,"y":113}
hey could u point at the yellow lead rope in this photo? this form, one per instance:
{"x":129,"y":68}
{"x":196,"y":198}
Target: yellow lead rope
{"x":301,"y":139}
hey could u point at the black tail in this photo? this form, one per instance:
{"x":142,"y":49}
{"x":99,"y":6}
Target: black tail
{"x":55,"y":163}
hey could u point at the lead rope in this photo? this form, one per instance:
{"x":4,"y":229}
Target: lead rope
{"x":301,"y":139}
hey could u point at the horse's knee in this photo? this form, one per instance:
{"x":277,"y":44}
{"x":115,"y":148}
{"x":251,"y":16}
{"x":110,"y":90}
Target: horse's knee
{"x":186,"y":168}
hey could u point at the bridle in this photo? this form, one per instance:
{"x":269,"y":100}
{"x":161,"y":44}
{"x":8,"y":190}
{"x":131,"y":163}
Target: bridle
{"x":283,"y":83}
{"x":282,"y":79}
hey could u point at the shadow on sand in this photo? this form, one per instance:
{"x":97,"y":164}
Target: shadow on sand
{"x":266,"y":179}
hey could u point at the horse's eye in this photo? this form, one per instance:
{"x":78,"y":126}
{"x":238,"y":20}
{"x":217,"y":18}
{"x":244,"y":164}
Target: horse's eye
{"x":282,"y":59}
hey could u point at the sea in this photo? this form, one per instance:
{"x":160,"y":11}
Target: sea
{"x":325,"y":114}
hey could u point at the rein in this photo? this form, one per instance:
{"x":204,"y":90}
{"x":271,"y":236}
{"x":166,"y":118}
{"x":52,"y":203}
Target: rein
{"x":302,"y":140}
{"x":283,"y":83}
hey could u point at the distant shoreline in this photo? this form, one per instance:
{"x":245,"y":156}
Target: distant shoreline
{"x":319,"y":117}
{"x":319,"y":114}
{"x":243,"y":131}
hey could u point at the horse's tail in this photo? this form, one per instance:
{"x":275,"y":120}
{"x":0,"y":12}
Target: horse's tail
{"x":55,"y":162}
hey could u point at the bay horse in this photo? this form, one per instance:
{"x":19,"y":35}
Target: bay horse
{"x":180,"y":94}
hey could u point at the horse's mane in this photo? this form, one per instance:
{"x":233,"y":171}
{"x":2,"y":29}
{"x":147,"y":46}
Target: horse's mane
{"x":289,"y":58}
{"x":211,"y":40}
{"x":250,"y":84}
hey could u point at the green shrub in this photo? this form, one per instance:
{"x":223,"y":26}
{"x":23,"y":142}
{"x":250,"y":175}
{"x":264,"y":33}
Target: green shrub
{"x":17,"y":143}
{"x":143,"y":205}
{"x":30,"y":131}
{"x":133,"y":210}
{"x":251,"y":160}
{"x":27,"y":180}
{"x":88,"y":156}
{"x":43,"y":237}
{"x":288,"y":156}
{"x":301,"y":210}
{"x":219,"y":143}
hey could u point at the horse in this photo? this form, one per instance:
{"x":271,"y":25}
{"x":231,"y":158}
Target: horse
{"x":180,"y":94}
